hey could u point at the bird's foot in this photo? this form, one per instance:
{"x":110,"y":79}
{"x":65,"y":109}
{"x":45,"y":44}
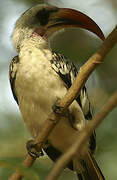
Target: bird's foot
{"x":31,"y":148}
{"x":57,"y":109}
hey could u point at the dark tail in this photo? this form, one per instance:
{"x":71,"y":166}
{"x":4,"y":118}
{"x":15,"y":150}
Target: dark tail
{"x":91,"y":169}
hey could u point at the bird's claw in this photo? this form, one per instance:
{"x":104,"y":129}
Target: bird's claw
{"x":31,"y":148}
{"x":57,"y":108}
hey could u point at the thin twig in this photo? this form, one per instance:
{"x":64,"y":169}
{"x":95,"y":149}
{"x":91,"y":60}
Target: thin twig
{"x":72,"y":93}
{"x":83,"y":137}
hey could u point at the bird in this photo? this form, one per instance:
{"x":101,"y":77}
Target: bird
{"x":40,"y":77}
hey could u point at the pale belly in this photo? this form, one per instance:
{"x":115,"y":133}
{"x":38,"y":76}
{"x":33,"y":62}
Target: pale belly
{"x":37,"y":88}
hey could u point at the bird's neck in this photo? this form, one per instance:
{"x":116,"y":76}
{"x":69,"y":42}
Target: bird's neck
{"x":35,"y":41}
{"x":35,"y":46}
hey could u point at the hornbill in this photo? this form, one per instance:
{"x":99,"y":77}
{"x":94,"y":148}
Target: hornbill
{"x":39,"y":77}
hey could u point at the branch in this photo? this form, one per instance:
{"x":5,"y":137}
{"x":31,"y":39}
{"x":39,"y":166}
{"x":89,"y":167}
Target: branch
{"x":72,"y":93}
{"x":85,"y":71}
{"x":83,"y":137}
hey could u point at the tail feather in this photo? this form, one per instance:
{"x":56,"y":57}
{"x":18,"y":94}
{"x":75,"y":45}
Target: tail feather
{"x":83,"y":177}
{"x":91,"y":170}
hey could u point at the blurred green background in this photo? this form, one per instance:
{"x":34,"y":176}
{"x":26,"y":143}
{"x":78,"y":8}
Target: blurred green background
{"x":78,"y":45}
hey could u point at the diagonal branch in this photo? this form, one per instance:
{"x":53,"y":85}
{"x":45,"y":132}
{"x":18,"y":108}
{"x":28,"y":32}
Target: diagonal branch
{"x":85,"y":71}
{"x":83,"y":137}
{"x":72,"y":93}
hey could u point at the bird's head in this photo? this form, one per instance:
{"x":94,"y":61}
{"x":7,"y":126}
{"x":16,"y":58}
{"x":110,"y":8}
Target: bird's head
{"x":42,"y":20}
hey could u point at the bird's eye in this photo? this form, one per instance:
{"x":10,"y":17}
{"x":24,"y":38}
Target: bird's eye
{"x":43,"y":16}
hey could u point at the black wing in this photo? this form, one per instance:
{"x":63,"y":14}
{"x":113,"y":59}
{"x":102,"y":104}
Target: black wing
{"x":67,"y":71}
{"x":12,"y":74}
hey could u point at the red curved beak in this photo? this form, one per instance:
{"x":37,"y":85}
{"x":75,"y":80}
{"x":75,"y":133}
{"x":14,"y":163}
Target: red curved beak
{"x":66,"y":17}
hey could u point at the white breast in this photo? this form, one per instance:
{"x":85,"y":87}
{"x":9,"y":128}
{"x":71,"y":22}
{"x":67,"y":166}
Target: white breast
{"x":38,"y":87}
